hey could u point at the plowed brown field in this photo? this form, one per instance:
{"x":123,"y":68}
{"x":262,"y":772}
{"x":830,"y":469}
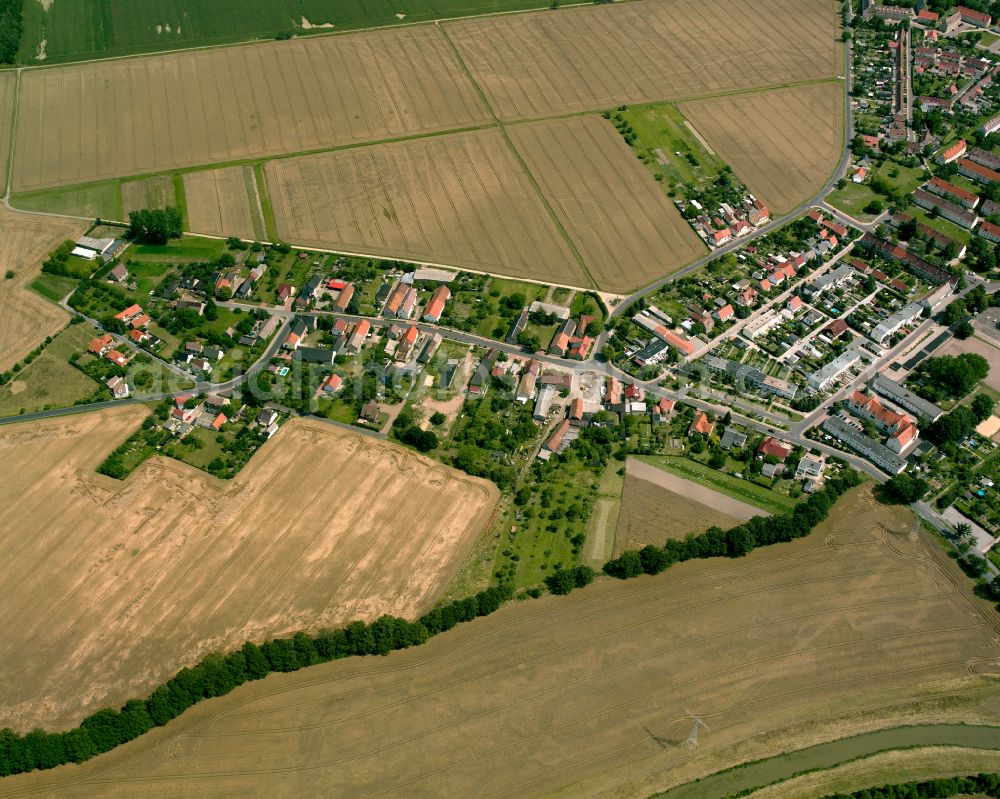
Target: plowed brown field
{"x":117,"y":118}
{"x":110,"y":587}
{"x":223,"y":202}
{"x":587,"y":59}
{"x":860,"y":625}
{"x":783,"y":144}
{"x":652,"y":515}
{"x":462,"y":200}
{"x":25,"y":318}
{"x":626,"y":229}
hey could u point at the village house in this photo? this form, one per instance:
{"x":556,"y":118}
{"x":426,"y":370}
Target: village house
{"x":101,"y":344}
{"x":118,"y":386}
{"x":357,"y":339}
{"x":436,"y":304}
{"x":771,"y":447}
{"x":701,"y":424}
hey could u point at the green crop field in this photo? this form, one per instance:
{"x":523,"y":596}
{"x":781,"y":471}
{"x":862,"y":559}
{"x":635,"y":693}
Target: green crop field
{"x":74,"y":30}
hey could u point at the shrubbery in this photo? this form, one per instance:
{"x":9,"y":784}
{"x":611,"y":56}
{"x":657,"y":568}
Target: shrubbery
{"x":944,"y":788}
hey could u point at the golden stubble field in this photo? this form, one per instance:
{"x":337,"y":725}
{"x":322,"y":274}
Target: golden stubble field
{"x":224,"y":202}
{"x":25,"y":317}
{"x":626,"y":229}
{"x":588,"y":59}
{"x":783,"y":144}
{"x":200,"y":107}
{"x":859,"y":626}
{"x":110,"y":587}
{"x":461,"y":200}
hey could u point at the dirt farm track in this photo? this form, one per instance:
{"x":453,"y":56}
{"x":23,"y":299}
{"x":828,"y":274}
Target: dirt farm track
{"x":859,"y":626}
{"x":141,"y":577}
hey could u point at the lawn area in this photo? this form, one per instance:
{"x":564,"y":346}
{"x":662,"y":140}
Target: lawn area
{"x":198,"y":448}
{"x":183,"y":250}
{"x":939,"y":224}
{"x":744,"y":490}
{"x":661,"y":126}
{"x":105,"y":28}
{"x":50,"y":381}
{"x":53,"y":287}
{"x":94,"y":200}
{"x":531,"y":291}
{"x":147,"y":274}
{"x":852,"y":199}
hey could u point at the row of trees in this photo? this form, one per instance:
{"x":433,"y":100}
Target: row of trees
{"x":942,"y":788}
{"x":949,"y":376}
{"x":740,"y":540}
{"x":217,"y":675}
{"x":11,"y":28}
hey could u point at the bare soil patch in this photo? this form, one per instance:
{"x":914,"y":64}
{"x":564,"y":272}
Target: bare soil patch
{"x":732,"y":507}
{"x":221,"y":202}
{"x":26,"y":318}
{"x":111,"y":587}
{"x":199,"y":107}
{"x":855,"y":627}
{"x":625,"y":228}
{"x":461,"y":200}
{"x":782,"y":144}
{"x":593,"y":58}
{"x":652,"y":514}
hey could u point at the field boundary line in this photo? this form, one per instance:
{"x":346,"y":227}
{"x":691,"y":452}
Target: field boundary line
{"x":8,"y":176}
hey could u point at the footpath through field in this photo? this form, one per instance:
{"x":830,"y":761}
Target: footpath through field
{"x":688,"y":488}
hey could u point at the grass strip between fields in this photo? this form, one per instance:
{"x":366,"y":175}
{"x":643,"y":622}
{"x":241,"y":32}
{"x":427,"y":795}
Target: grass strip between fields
{"x":746,"y":777}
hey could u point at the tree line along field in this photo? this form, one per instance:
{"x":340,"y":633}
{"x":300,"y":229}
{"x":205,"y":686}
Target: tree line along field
{"x":858,"y":626}
{"x":201,"y":107}
{"x":772,"y":141}
{"x":587,"y":59}
{"x":141,"y":577}
{"x":77,"y":31}
{"x":224,"y":202}
{"x":461,"y":199}
{"x":25,"y":317}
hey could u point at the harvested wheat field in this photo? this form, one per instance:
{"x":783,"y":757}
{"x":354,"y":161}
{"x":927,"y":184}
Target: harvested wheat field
{"x":224,"y":202}
{"x":858,"y":626}
{"x":153,"y":192}
{"x":652,"y":515}
{"x":587,"y":59}
{"x":8,"y":85}
{"x":782,"y":144}
{"x":25,"y":318}
{"x":626,"y":229}
{"x":141,"y":577}
{"x":461,"y":200}
{"x":200,"y":107}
